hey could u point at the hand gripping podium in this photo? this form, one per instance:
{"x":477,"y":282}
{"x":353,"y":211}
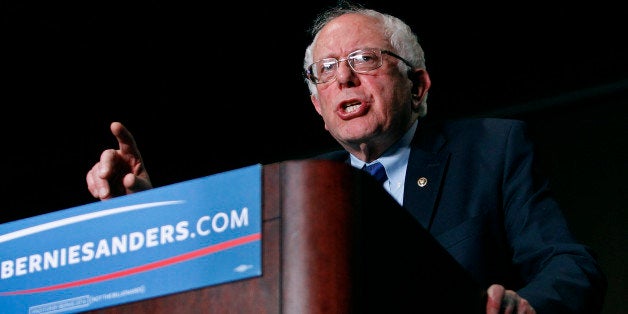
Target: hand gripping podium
{"x":333,"y":241}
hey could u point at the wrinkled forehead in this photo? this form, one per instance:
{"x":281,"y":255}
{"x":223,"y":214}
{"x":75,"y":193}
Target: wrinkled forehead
{"x":348,"y":33}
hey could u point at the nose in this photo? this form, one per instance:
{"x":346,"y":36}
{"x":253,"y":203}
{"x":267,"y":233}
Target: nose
{"x":344,"y":72}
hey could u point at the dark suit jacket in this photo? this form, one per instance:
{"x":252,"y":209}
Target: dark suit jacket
{"x":489,"y":206}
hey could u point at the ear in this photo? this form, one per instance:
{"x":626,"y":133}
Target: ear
{"x":420,"y":85}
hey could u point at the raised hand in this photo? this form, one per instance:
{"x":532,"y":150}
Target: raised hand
{"x":120,"y":171}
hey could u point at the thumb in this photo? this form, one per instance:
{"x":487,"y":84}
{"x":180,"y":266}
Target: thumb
{"x":495,"y":294}
{"x":133,"y":183}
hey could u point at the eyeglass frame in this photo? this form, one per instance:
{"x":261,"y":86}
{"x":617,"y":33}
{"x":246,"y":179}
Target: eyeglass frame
{"x":308,"y":70}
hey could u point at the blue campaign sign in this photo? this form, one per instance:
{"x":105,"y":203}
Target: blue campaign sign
{"x":170,"y":239}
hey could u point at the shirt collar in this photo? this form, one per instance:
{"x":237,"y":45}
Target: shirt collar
{"x":395,"y":157}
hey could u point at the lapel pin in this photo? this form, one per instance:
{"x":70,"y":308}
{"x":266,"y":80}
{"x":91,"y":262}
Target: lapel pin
{"x":422,"y":181}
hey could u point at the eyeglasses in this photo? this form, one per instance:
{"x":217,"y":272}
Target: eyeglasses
{"x":360,"y":61}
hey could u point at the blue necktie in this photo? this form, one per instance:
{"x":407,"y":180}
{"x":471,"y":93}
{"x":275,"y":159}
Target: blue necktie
{"x":377,"y":171}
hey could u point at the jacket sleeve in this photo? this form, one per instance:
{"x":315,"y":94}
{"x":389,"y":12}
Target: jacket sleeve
{"x":562,"y":275}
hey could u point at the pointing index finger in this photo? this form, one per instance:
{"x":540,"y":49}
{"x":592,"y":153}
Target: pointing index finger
{"x":126,"y":142}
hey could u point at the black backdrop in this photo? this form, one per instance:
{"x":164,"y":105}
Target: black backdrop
{"x":210,"y":88}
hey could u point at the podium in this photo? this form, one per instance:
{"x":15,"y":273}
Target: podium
{"x":333,"y":241}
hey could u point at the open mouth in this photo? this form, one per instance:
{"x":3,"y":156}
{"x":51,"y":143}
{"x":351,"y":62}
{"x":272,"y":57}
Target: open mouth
{"x":352,"y":107}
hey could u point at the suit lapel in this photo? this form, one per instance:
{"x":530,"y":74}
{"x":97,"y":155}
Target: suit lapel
{"x":424,"y":175}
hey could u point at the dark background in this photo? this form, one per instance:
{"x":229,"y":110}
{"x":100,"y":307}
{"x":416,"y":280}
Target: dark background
{"x":210,"y":88}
